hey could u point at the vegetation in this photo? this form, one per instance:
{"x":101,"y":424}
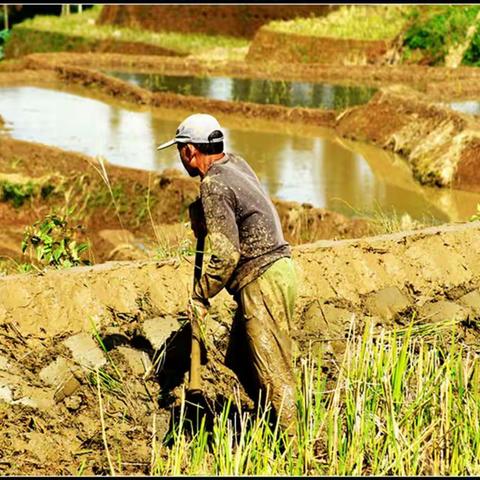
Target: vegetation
{"x":19,"y":192}
{"x":70,"y":31}
{"x":51,"y":242}
{"x":435,"y":30}
{"x":4,"y":35}
{"x":368,"y":22}
{"x":476,"y":216}
{"x":405,"y":402}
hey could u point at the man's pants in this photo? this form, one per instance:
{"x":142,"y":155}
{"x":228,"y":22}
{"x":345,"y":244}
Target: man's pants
{"x":267,"y":308}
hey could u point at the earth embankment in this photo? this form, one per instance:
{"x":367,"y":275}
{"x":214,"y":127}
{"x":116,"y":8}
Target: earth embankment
{"x":441,"y":145}
{"x":297,"y":48}
{"x":381,"y":277}
{"x":238,"y":20}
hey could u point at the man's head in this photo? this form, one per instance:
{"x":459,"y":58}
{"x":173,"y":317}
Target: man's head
{"x":198,"y":138}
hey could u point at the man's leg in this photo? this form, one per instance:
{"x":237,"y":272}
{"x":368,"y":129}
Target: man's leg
{"x":268,"y":305}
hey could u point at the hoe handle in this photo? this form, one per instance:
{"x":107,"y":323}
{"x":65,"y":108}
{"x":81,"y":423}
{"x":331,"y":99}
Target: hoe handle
{"x":195,"y":379}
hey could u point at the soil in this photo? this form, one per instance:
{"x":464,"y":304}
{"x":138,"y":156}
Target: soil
{"x":238,"y":20}
{"x":55,"y":420}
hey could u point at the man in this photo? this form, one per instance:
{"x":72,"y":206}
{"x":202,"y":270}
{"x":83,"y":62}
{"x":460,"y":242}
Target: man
{"x":250,"y":257}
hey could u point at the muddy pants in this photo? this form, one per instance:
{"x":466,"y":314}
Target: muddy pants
{"x":267,"y":306}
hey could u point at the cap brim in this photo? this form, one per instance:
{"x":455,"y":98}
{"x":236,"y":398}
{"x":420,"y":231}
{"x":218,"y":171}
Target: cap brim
{"x":166,"y":144}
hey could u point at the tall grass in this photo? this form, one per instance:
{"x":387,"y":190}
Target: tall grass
{"x":405,"y":402}
{"x":361,"y":22}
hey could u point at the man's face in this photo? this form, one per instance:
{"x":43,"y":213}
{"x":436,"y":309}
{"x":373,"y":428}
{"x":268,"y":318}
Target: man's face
{"x":186,"y":157}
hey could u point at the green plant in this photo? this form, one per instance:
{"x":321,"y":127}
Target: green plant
{"x":53,"y":33}
{"x":4,"y":36}
{"x":17,"y":193}
{"x":434,"y":30}
{"x":476,"y":215}
{"x":54,"y":243}
{"x":403,"y":402}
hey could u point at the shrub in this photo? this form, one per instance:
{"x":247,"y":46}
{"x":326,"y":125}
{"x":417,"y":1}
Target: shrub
{"x":434,"y":30}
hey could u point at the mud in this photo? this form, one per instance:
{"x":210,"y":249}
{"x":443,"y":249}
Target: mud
{"x":47,"y":386}
{"x":238,"y":20}
{"x":289,"y":47}
{"x":441,"y":145}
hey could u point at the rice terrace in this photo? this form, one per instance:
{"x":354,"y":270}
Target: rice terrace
{"x":362,"y":124}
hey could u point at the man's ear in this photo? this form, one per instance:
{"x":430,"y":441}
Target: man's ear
{"x":190,"y":151}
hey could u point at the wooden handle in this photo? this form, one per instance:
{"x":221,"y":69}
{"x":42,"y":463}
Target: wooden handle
{"x":195,"y":384}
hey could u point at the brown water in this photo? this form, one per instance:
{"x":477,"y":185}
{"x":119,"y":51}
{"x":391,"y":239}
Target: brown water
{"x":278,"y":92}
{"x":293,"y":162}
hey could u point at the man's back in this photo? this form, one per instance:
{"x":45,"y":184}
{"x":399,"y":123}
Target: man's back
{"x":236,"y":206}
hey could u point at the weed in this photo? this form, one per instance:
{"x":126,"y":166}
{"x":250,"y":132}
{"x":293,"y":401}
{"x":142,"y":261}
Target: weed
{"x":476,"y":215}
{"x":434,"y":30}
{"x":404,"y":402}
{"x":166,"y":251}
{"x":17,"y":193}
{"x":53,"y":243}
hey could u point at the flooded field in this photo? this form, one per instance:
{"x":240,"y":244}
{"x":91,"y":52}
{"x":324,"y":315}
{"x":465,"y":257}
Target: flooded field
{"x":289,"y":94}
{"x":472,"y":107}
{"x":302,"y":164}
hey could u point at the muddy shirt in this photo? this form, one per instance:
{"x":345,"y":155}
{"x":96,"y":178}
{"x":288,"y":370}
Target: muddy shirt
{"x":243,"y":227}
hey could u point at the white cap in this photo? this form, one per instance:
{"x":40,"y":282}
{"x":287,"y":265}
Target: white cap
{"x":195,"y":129}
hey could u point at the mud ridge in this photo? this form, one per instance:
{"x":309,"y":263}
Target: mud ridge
{"x":441,"y":145}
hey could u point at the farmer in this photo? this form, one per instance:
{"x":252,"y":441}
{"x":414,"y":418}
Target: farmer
{"x":250,"y":257}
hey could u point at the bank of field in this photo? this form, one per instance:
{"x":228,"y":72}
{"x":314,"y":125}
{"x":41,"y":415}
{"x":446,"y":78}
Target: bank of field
{"x":82,"y":32}
{"x":404,"y":402}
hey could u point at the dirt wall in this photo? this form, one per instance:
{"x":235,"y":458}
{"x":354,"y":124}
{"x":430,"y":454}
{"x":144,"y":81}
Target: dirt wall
{"x":24,"y":41}
{"x":441,"y":145}
{"x":269,"y":45}
{"x":379,"y":277}
{"x":233,"y":20}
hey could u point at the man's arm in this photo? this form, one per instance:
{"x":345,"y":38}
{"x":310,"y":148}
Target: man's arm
{"x":218,"y":207}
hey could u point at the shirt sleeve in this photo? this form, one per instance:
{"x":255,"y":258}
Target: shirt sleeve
{"x":219,"y":210}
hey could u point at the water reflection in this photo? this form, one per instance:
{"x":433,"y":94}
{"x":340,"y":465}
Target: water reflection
{"x":472,"y":107}
{"x":290,"y":94}
{"x":305,"y":165}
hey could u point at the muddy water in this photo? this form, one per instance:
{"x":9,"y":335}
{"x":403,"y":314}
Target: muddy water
{"x":472,"y":107}
{"x":293,"y":162}
{"x":289,"y":94}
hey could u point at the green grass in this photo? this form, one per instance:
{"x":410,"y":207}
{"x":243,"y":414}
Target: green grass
{"x":84,"y":25}
{"x":351,"y":21}
{"x":405,"y":402}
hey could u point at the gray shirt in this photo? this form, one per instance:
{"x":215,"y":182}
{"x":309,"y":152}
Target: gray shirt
{"x":243,"y":227}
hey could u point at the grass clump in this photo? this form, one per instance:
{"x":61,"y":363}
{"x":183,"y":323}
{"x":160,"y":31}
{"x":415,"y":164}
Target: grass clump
{"x":359,"y":22}
{"x":17,"y":190}
{"x":85,"y":25}
{"x":405,"y":402}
